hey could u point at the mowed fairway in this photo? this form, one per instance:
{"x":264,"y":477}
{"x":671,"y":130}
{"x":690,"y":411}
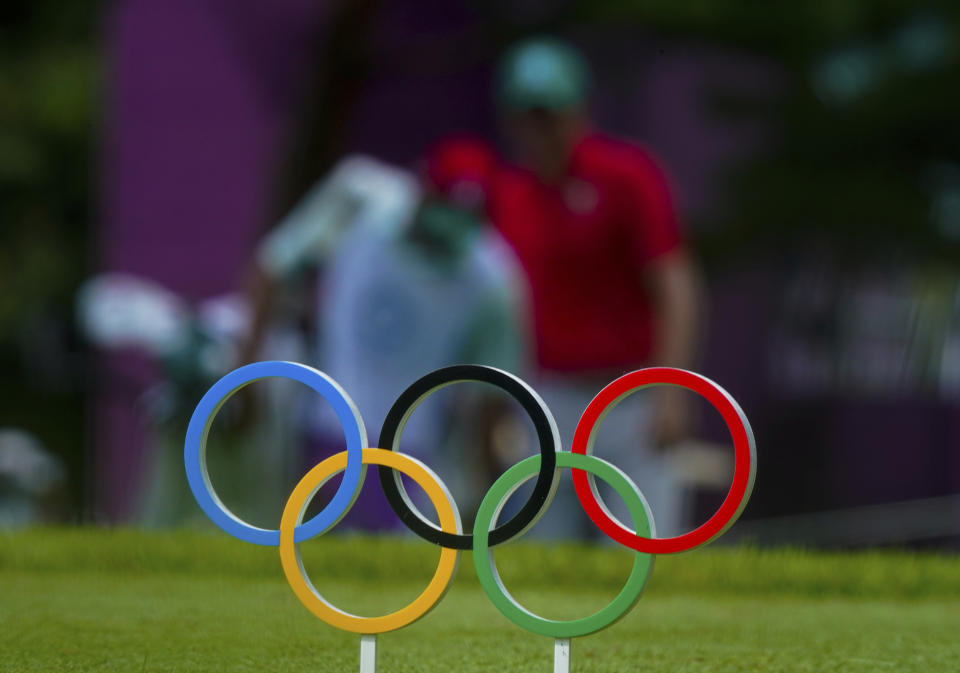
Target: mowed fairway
{"x":98,"y":600}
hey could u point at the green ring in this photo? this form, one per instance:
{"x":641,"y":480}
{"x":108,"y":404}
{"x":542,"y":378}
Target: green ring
{"x":486,"y":567}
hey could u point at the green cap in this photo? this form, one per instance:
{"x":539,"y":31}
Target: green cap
{"x":543,"y":72}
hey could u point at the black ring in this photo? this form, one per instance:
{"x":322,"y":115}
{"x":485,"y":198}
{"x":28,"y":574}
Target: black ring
{"x":547,"y":434}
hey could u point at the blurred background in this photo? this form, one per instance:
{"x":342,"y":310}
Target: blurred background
{"x":813,"y":152}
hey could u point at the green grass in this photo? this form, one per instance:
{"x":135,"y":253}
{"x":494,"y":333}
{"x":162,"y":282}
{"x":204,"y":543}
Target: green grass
{"x":92,"y":600}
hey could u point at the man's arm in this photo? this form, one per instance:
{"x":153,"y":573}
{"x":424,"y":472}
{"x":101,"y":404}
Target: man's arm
{"x":261,"y":290}
{"x":309,"y":234}
{"x":673,"y":288}
{"x":675,"y":293}
{"x":500,"y":337}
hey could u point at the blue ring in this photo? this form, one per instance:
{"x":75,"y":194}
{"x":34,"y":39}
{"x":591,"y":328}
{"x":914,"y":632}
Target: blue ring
{"x":195,"y":450}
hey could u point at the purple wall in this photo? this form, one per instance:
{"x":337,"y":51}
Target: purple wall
{"x":199,"y":94}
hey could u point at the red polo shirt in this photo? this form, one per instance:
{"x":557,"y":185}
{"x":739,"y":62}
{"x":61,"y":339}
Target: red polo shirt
{"x":584,"y":243}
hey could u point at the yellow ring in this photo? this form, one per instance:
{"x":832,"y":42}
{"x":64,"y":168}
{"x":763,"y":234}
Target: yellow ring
{"x":297,"y":576}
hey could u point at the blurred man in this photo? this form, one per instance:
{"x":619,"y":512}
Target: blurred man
{"x":192,"y":345}
{"x":612,"y":286}
{"x":413,"y":281}
{"x":31,"y":481}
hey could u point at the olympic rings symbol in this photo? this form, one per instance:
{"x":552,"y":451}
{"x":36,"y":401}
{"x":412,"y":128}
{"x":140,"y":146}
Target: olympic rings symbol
{"x":487,"y":532}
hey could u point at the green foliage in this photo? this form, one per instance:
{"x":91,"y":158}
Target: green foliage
{"x":48,"y":71}
{"x":861,"y":120}
{"x":789,"y":32}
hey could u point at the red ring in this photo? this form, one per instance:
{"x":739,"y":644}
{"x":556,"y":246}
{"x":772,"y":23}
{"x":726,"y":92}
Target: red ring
{"x":743,"y":446}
